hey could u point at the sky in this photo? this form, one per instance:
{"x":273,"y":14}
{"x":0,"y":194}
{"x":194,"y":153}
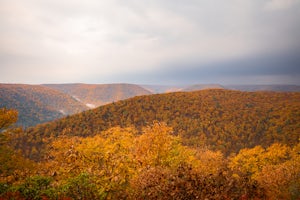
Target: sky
{"x":150,"y":41}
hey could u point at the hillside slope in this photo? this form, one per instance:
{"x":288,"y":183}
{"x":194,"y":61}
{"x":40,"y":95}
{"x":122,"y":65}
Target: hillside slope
{"x":278,"y":88}
{"x":249,"y":88}
{"x":158,"y":89}
{"x":94,"y":95}
{"x":219,"y":119}
{"x":202,"y":87}
{"x":37,"y":104}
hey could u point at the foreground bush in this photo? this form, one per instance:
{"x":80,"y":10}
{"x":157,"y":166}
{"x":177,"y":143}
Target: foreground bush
{"x":188,"y":183}
{"x":121,"y":164}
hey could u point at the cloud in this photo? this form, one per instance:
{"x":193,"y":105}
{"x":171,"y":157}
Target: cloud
{"x":280,"y":4}
{"x":281,"y":68}
{"x":80,"y":41}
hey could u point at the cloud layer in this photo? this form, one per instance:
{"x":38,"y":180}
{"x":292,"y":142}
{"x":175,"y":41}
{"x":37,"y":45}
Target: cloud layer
{"x":149,"y":41}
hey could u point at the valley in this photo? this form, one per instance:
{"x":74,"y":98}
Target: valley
{"x":37,"y":104}
{"x":42,"y":103}
{"x":94,"y":95}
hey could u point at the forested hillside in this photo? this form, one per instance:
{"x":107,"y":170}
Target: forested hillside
{"x":218,"y":119}
{"x":94,"y":95}
{"x":146,"y":163}
{"x":37,"y":104}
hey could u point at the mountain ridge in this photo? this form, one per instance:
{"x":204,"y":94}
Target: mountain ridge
{"x":42,"y":103}
{"x":88,"y":96}
{"x":37,"y":104}
{"x":225,"y":120}
{"x":157,"y":89}
{"x":100,"y":94}
{"x":279,"y":88}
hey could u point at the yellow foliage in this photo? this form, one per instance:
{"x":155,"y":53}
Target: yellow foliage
{"x":282,"y":179}
{"x":158,"y":147}
{"x":7,"y":117}
{"x":276,"y":169}
{"x":251,"y":161}
{"x":209,"y":162}
{"x":276,"y":154}
{"x":248,"y":161}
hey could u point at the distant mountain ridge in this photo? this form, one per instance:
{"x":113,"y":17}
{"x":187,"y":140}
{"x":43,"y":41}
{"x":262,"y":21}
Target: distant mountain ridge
{"x":157,"y":89}
{"x":248,"y":88}
{"x":37,"y":104}
{"x":278,"y":88}
{"x":203,"y":87}
{"x":42,"y":103}
{"x":94,"y":95}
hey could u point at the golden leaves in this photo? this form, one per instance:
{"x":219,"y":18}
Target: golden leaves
{"x":7,"y":117}
{"x":276,"y":169}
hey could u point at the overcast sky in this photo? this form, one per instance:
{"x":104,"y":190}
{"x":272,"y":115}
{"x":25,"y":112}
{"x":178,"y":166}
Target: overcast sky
{"x":150,"y":41}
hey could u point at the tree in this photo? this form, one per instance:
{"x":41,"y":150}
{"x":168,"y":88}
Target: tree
{"x":7,"y":117}
{"x":248,"y":161}
{"x":276,"y":169}
{"x":107,"y":159}
{"x":13,"y":165}
{"x":158,"y":147}
{"x":281,"y":179}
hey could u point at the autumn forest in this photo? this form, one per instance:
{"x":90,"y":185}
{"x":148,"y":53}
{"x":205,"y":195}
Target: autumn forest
{"x":207,"y":144}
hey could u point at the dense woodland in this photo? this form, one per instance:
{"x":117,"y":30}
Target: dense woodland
{"x":218,"y":119}
{"x":37,"y":104}
{"x":211,"y":144}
